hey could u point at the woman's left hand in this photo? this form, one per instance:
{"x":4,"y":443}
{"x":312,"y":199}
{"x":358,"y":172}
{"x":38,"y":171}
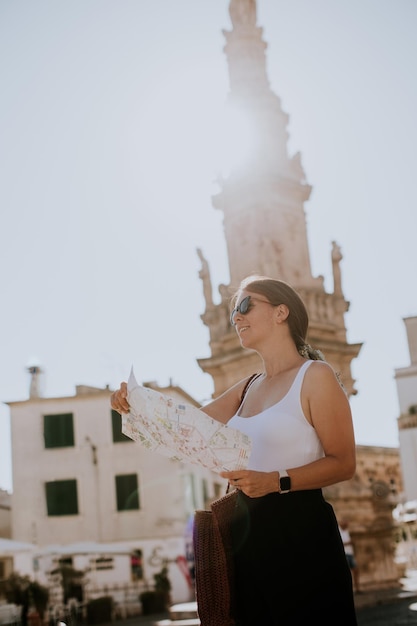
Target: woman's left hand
{"x":253,"y":484}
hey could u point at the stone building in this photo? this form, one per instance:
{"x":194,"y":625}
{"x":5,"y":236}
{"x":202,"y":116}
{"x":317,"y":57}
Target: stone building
{"x":367,"y":501}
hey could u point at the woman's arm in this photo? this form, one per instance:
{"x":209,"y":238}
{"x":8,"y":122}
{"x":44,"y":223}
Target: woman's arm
{"x":225,"y":406}
{"x":220,"y":409}
{"x":326,"y":405}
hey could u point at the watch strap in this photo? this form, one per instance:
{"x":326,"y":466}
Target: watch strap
{"x":284,"y":481}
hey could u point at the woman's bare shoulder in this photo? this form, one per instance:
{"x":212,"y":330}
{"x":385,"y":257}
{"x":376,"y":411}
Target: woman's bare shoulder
{"x":321,"y":371}
{"x":319,"y":367}
{"x":321,"y":379}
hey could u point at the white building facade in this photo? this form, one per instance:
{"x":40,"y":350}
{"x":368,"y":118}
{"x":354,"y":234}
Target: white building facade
{"x":78,"y":480}
{"x":406,"y":380}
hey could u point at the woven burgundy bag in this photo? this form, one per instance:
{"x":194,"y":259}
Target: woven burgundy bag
{"x":213,"y":558}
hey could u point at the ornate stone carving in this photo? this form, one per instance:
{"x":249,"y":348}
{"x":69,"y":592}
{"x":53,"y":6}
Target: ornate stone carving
{"x":204,"y":274}
{"x":243,"y":12}
{"x":337,"y":277}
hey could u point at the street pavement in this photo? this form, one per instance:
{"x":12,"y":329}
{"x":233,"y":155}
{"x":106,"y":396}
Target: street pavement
{"x":399,"y":612}
{"x":393,"y":611}
{"x":389,"y":607}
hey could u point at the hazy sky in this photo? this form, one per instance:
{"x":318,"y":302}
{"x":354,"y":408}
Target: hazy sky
{"x":109,"y":145}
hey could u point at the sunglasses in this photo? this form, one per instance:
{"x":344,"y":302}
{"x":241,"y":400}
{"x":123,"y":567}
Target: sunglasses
{"x":244,"y":307}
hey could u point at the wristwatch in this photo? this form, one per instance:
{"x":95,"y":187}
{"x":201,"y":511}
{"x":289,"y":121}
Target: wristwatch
{"x":284,"y":481}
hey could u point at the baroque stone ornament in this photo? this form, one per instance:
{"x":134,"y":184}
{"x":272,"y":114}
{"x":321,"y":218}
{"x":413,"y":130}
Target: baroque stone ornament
{"x":243,"y":12}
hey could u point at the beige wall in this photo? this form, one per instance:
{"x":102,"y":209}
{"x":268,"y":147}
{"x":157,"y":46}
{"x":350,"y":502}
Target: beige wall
{"x":162,"y":483}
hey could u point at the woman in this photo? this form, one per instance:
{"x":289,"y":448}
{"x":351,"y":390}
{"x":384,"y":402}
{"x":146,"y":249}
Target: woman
{"x":290,"y":564}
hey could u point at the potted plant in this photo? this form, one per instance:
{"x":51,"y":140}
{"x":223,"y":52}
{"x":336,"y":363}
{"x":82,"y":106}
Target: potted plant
{"x":30,"y":595}
{"x":158,"y":599}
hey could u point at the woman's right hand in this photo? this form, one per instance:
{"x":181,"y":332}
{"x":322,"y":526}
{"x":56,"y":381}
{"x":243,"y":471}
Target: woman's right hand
{"x":118,"y":399}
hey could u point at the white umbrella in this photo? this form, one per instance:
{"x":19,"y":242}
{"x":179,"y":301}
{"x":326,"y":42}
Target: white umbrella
{"x":84,"y":547}
{"x":9,"y":546}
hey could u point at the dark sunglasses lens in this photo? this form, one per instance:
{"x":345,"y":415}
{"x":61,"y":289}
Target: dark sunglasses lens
{"x":241,"y":308}
{"x":244,"y":305}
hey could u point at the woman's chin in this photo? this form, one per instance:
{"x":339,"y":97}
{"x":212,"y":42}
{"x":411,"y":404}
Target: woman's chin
{"x":244,"y":341}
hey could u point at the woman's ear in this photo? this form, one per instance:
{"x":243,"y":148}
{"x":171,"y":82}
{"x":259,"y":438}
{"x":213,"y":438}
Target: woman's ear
{"x":282,"y":312}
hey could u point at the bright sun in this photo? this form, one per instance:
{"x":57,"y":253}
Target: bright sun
{"x":191,"y":135}
{"x":236,"y":139}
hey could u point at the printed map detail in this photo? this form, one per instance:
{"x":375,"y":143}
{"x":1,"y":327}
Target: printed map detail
{"x":182,"y":432}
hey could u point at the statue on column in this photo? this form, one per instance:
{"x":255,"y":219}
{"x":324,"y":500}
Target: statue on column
{"x":243,"y":12}
{"x":204,"y":274}
{"x":224,"y":326}
{"x":337,"y":277}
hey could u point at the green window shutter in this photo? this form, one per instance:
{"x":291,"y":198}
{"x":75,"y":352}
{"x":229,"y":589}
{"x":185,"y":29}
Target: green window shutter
{"x":58,"y":430}
{"x":116,"y":423}
{"x":127,"y":494}
{"x":61,"y":497}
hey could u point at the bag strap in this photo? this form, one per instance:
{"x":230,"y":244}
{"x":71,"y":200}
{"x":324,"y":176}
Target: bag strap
{"x":246,"y":387}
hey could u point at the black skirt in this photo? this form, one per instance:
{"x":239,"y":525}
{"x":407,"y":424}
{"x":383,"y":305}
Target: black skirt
{"x":289,"y":561}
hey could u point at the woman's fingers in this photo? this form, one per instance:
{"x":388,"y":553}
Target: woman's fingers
{"x":119,"y":399}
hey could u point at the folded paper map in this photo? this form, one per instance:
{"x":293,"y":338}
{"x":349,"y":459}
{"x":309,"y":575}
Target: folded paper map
{"x":181,"y":431}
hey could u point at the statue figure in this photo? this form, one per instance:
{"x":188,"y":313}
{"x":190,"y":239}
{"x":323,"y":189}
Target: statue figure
{"x":224,"y":310}
{"x":204,"y":274}
{"x":243,"y":12}
{"x":337,"y":277}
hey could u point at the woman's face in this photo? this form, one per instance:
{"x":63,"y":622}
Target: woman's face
{"x":251,"y":317}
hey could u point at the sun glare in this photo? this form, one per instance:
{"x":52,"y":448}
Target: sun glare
{"x":187,"y":130}
{"x":236,"y":139}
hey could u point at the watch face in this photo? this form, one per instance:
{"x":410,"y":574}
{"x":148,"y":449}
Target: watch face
{"x":285,"y":483}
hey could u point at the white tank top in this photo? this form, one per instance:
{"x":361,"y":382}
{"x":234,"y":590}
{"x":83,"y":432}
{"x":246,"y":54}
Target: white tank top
{"x":281,"y":436}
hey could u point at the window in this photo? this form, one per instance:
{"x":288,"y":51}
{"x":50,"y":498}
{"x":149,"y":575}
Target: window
{"x":116,"y":423}
{"x":127,"y":493}
{"x":61,"y":497}
{"x":58,"y":430}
